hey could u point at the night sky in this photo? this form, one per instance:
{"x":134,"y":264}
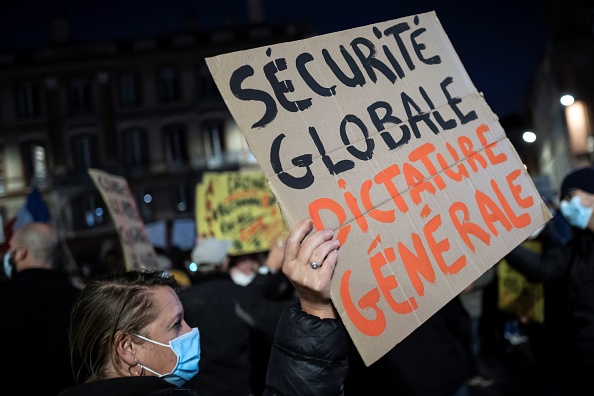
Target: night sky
{"x":499,"y":42}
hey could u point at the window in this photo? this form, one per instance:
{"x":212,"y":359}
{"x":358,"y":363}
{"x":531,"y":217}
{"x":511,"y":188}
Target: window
{"x":34,"y":158}
{"x":143,"y":200}
{"x":80,"y":97}
{"x":2,"y":159}
{"x":27,"y":100}
{"x":168,"y":85}
{"x":213,"y":134}
{"x":207,"y":88}
{"x":88,"y":211}
{"x":129,"y":89}
{"x":85,"y":152}
{"x":183,"y":199}
{"x":136,"y":149}
{"x":176,"y":145}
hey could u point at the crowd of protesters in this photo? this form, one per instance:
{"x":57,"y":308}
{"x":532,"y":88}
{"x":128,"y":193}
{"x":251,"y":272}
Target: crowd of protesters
{"x":236,"y":302}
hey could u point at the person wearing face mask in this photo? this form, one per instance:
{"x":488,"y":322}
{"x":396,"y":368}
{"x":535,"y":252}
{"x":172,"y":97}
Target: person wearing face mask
{"x":233,"y":317}
{"x":565,"y":266}
{"x":129,"y":337}
{"x":37,"y":299}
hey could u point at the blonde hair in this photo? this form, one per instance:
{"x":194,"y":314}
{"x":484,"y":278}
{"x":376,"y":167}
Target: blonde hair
{"x":115,"y":304}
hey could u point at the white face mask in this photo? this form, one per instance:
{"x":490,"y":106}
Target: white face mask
{"x":576,"y":214}
{"x":242,"y":279}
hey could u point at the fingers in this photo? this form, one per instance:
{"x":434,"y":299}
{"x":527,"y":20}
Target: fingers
{"x":301,"y":249}
{"x":315,"y":248}
{"x":293,"y":242}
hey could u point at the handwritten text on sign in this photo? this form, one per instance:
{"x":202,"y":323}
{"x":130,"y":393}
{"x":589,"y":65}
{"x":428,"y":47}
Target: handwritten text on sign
{"x":138,"y":250}
{"x":378,"y":133}
{"x":238,"y":206}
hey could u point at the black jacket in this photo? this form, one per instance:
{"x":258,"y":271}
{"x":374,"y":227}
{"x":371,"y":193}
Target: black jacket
{"x":128,"y":386}
{"x":229,"y":317}
{"x":309,"y":357}
{"x":35,"y":314}
{"x":568,"y":269}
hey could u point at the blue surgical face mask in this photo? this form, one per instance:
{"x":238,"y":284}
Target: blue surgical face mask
{"x":576,"y":214}
{"x":8,"y":264}
{"x":187,"y":349}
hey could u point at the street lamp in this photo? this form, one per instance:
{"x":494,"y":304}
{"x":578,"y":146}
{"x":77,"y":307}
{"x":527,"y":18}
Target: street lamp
{"x":529,"y":137}
{"x":578,"y":125}
{"x":567,"y":100}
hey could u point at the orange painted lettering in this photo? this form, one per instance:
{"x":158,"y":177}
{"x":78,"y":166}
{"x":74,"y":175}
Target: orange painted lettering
{"x":491,"y":212}
{"x":320,"y":204}
{"x":368,"y":327}
{"x":465,"y":227}
{"x":520,"y":221}
{"x":418,"y":264}
{"x":416,"y":182}
{"x":387,"y":283}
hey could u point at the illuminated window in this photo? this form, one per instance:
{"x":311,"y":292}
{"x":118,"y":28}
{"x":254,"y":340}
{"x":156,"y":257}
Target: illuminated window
{"x":88,"y":211}
{"x":213,"y":133}
{"x":35,"y":163}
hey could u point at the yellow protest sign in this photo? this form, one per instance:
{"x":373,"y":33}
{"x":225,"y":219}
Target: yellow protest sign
{"x":238,"y":206}
{"x":517,"y":295}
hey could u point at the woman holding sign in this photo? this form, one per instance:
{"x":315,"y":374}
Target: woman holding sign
{"x":128,"y":335}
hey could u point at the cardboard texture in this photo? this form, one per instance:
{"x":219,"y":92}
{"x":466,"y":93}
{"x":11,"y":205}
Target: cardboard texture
{"x":238,"y":206}
{"x":378,"y":133}
{"x":137,"y":247}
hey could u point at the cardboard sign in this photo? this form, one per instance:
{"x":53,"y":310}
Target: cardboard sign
{"x":137,"y":247}
{"x":378,"y":133}
{"x":238,"y":206}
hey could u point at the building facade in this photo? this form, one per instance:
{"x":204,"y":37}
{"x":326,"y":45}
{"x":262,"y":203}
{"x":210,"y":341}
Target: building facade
{"x":565,"y":140}
{"x":145,"y":109}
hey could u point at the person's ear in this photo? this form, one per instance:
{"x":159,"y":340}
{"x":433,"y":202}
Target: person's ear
{"x":125,"y":348}
{"x":20,"y":254}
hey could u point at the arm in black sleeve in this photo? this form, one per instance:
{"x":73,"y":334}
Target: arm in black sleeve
{"x":309,"y":356}
{"x":545,"y":266}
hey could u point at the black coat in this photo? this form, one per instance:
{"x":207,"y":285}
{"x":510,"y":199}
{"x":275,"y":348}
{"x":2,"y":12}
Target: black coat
{"x":567,"y":273}
{"x":309,"y":356}
{"x":35,"y":314}
{"x":230,"y":318}
{"x":128,"y":386}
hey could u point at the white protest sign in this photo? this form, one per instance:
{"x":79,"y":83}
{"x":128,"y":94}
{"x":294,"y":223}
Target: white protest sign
{"x":138,"y":250}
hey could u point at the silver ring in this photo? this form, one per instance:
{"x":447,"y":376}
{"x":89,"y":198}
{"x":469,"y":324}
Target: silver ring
{"x":314,"y":265}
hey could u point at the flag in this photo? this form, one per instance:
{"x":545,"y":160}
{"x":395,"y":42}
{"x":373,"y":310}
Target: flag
{"x":33,"y":210}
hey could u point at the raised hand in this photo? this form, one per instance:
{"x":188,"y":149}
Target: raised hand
{"x":309,"y":261}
